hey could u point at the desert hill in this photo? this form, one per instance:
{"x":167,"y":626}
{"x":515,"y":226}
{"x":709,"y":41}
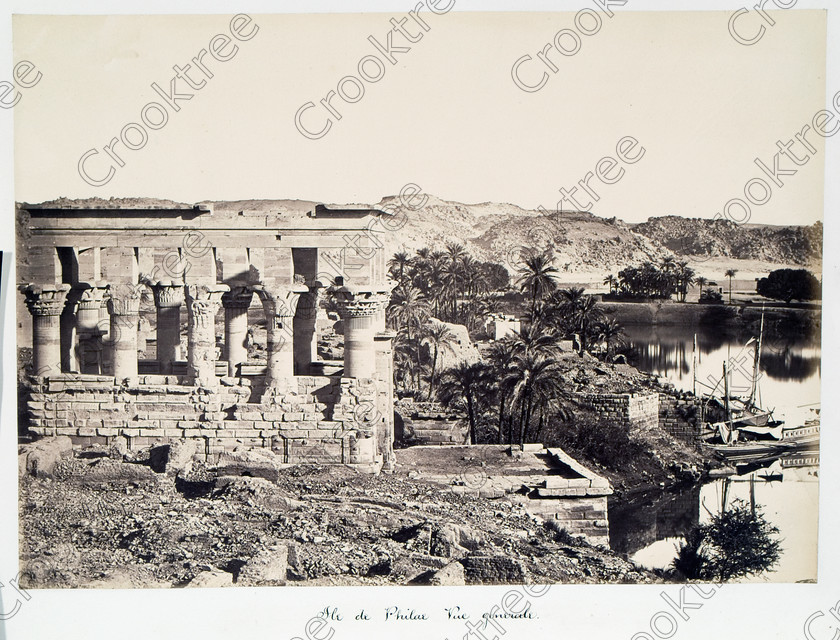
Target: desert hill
{"x":580,"y":242}
{"x":799,"y":245}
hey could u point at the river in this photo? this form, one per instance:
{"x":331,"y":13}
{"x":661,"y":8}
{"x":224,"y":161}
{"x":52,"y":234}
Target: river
{"x":649,"y":527}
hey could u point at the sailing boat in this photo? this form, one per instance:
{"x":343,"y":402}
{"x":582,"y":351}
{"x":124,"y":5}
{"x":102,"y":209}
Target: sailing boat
{"x":748,"y":431}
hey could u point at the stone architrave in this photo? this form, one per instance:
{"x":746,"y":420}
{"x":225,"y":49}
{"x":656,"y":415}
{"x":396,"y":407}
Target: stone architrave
{"x":169,"y":296}
{"x":123,"y":302}
{"x":236,"y":303}
{"x":203,"y":302}
{"x":359,"y":307}
{"x":279,"y":303}
{"x":88,"y":328}
{"x":46,"y":303}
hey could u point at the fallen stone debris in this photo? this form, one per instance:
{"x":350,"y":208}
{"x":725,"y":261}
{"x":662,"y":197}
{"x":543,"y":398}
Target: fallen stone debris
{"x":158,"y":518}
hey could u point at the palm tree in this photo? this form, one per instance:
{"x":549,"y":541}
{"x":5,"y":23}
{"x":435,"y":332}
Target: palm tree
{"x":612,"y":334}
{"x":404,"y":361}
{"x":501,"y":358}
{"x":730,"y":273}
{"x":584,"y":316}
{"x":668,"y":264}
{"x":455,"y":251}
{"x":533,"y":380}
{"x":440,"y":338}
{"x":612,"y":281}
{"x":685,"y":278}
{"x":409,"y":310}
{"x":399,"y":264}
{"x":468,"y":383}
{"x":537,"y":277}
{"x":700,"y":281}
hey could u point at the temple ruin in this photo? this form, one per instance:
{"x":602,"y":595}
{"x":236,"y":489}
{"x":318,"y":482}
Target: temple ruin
{"x":85,"y":271}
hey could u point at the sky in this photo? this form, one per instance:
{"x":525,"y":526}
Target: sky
{"x":446,"y":116}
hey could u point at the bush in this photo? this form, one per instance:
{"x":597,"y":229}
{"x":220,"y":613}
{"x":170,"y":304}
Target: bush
{"x":736,"y":543}
{"x":710,"y":296}
{"x":789,"y":284}
{"x":601,"y":441}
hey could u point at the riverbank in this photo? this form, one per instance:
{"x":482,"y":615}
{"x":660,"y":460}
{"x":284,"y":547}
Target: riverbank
{"x":693,"y":314}
{"x":635,"y":452}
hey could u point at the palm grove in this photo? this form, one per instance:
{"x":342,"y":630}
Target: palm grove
{"x":518,"y":389}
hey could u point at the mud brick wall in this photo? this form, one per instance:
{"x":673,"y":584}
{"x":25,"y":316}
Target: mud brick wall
{"x":325,"y":420}
{"x":626,"y":410}
{"x":579,"y":516}
{"x":679,"y":416}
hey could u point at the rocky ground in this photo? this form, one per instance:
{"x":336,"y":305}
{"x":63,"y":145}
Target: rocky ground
{"x":106,"y":518}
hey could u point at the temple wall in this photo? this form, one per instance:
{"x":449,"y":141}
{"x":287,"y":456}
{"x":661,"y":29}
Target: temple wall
{"x":326,"y":420}
{"x":578,"y":515}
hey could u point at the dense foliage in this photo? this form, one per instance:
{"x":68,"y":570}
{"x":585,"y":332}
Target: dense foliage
{"x":738,"y":542}
{"x":519,"y":388}
{"x":789,"y":285}
{"x":653,"y":281}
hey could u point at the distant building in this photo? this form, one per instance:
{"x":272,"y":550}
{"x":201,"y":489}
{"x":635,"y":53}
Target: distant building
{"x":501,"y":325}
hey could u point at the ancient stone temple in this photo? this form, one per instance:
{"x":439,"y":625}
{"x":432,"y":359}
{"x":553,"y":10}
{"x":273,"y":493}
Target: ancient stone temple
{"x":92,"y":276}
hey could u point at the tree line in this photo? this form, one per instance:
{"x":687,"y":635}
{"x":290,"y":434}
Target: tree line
{"x":519,"y":388}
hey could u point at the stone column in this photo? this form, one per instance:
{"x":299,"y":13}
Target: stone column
{"x":169,"y":296}
{"x":46,"y":304}
{"x":236,"y":303}
{"x":303,"y":326}
{"x":383,"y":345}
{"x":359,"y":307}
{"x":124,"y":308}
{"x":203,"y":303}
{"x":89,"y":329}
{"x":279,"y":303}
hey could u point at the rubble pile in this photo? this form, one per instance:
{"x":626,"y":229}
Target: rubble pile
{"x":99,"y":518}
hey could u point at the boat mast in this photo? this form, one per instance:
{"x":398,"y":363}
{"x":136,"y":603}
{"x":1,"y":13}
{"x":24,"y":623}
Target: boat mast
{"x":756,"y":362}
{"x":694,"y":367}
{"x":726,"y":400}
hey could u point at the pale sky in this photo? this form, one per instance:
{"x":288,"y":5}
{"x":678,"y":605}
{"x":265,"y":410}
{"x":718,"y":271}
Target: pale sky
{"x":447,"y":116}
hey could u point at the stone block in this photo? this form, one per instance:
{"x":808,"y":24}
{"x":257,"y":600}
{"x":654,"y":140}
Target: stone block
{"x":493,"y":570}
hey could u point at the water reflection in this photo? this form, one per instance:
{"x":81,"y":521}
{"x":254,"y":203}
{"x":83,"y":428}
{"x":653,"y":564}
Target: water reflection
{"x":639,"y":522}
{"x":649,"y":527}
{"x":789,"y":367}
{"x":667,"y":350}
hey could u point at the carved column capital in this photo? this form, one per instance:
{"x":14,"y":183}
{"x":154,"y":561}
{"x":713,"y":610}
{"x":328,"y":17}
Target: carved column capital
{"x":124,"y":299}
{"x":360,"y":301}
{"x":203,"y":302}
{"x":91,"y":296}
{"x":168,"y":294}
{"x":239,"y":297}
{"x":47,"y":300}
{"x":280,"y":301}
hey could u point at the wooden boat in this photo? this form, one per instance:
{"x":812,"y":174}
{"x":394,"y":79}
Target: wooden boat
{"x":804,"y":438}
{"x":745,"y":451}
{"x":750,"y":433}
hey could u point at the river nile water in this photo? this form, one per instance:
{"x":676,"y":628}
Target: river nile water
{"x":649,"y":527}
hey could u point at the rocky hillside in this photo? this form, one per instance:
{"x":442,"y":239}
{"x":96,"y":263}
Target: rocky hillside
{"x":579,"y":242}
{"x":799,"y":245}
